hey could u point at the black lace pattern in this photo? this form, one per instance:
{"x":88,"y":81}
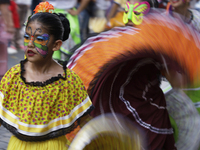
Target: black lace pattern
{"x":49,"y":81}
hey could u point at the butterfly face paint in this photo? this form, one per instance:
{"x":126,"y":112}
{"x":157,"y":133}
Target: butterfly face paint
{"x":135,"y":12}
{"x":40,"y":42}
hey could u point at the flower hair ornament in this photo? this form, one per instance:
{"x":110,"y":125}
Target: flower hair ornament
{"x":135,"y":12}
{"x":42,"y":7}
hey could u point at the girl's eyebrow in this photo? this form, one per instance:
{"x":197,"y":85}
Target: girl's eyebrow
{"x":37,"y":34}
{"x":43,"y":35}
{"x":27,"y":33}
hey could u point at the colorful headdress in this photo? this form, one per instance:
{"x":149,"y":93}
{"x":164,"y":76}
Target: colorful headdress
{"x":44,"y":7}
{"x":135,"y":12}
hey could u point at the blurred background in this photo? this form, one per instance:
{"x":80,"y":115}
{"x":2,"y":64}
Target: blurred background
{"x":87,"y":18}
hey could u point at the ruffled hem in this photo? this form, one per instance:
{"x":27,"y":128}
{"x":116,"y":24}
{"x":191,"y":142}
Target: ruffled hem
{"x":48,"y":136}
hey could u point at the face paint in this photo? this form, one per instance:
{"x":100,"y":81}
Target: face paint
{"x":135,"y":12}
{"x":26,"y":41}
{"x":40,"y":42}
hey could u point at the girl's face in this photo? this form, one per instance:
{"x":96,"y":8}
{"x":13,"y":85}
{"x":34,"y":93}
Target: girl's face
{"x":38,"y":43}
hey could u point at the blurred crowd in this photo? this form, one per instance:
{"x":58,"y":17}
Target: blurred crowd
{"x":87,"y":17}
{"x":94,"y":16}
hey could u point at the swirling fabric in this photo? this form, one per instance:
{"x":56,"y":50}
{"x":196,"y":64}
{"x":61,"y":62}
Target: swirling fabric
{"x":121,"y":69}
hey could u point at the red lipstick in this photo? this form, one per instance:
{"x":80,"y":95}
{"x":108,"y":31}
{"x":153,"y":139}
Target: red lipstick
{"x":30,"y":53}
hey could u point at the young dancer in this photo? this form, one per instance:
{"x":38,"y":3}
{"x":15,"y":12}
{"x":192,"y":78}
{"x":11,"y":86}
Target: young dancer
{"x":122,"y":70}
{"x":41,"y":101}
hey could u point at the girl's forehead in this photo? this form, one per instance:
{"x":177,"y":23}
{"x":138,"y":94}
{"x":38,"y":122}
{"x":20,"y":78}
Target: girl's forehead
{"x":36,"y":26}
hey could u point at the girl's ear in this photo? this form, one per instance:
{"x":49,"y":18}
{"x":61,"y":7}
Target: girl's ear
{"x":57,"y":45}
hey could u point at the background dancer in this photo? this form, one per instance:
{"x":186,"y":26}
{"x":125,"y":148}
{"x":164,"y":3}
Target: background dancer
{"x":122,"y":70}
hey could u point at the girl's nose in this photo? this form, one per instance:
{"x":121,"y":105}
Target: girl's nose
{"x":30,"y":44}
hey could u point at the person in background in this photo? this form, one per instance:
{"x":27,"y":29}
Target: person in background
{"x":188,"y":15}
{"x":115,"y":14}
{"x":20,"y":14}
{"x":141,"y":103}
{"x":85,"y":10}
{"x":117,"y":5}
{"x":197,"y":5}
{"x":191,"y":17}
{"x":34,"y":3}
{"x":151,"y":3}
{"x":97,"y":23}
{"x":15,"y":16}
{"x":6,"y":15}
{"x":6,"y":33}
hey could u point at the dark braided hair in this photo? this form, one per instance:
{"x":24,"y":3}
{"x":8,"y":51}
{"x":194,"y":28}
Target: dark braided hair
{"x":56,"y":24}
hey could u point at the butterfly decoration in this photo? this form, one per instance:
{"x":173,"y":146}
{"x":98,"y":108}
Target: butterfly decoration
{"x":135,"y":12}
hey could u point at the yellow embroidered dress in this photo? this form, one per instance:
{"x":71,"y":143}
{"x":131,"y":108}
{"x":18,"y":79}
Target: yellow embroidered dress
{"x":38,"y":111}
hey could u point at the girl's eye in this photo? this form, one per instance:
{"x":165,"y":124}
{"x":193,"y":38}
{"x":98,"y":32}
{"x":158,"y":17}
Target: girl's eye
{"x":26,"y":36}
{"x":40,"y":38}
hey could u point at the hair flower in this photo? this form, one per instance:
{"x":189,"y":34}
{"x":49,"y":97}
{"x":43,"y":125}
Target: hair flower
{"x":44,"y":7}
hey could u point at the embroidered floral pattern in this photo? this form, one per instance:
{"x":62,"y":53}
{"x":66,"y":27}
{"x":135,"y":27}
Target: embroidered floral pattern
{"x":37,"y":111}
{"x":39,"y":105}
